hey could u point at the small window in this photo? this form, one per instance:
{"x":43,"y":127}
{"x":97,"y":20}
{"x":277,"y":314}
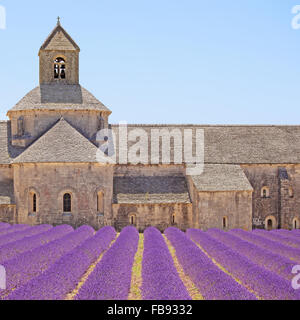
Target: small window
{"x":132,"y":220}
{"x":225,"y":223}
{"x":34,"y":203}
{"x":59,"y":68}
{"x":291,"y":192}
{"x":265,"y":192}
{"x":67,"y":203}
{"x":173,"y":219}
{"x":100,"y":202}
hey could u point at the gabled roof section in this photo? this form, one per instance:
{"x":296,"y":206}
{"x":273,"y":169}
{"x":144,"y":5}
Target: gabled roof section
{"x":59,"y":97}
{"x":59,"y":39}
{"x":61,"y":144}
{"x":151,"y":190}
{"x":222,"y":177}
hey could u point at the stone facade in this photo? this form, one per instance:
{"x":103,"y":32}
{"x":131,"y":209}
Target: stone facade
{"x":50,"y":171}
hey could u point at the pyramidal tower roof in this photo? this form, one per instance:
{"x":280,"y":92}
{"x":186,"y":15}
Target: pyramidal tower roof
{"x":59,"y":39}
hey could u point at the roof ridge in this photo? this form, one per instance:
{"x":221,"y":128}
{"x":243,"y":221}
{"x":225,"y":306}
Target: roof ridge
{"x":56,"y":29}
{"x":211,"y":125}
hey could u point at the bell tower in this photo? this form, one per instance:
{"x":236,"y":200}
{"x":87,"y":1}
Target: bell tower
{"x":59,"y":58}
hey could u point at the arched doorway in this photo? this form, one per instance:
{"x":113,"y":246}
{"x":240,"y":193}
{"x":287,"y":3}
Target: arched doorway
{"x":270,"y":223}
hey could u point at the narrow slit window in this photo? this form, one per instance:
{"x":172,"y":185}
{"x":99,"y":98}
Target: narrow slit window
{"x":34,"y":203}
{"x":132,"y":220}
{"x":173,"y":219}
{"x":225,"y":223}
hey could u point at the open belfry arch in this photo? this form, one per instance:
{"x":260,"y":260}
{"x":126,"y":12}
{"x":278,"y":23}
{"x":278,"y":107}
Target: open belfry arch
{"x":50,"y":172}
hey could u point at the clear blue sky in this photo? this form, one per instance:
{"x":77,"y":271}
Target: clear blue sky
{"x":166,"y":61}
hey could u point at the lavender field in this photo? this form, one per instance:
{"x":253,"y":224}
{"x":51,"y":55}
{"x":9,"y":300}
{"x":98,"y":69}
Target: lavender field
{"x":60,"y":263}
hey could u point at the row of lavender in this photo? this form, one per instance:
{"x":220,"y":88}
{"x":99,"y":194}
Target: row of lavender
{"x":48,"y":263}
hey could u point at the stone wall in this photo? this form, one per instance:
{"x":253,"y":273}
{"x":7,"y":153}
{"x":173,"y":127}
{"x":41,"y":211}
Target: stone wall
{"x":235,"y":206}
{"x":278,"y":205}
{"x":51,"y":181}
{"x":157,"y":215}
{"x":289,"y":197}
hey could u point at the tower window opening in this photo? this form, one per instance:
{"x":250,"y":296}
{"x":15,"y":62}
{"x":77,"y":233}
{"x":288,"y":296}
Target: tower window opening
{"x":59,"y":68}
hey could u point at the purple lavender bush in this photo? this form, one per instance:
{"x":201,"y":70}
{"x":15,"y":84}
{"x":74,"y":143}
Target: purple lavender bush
{"x":4,"y":226}
{"x":111,"y":278}
{"x":266,"y":285}
{"x":267,"y":244}
{"x":161,"y":280}
{"x":64,"y":275}
{"x":19,"y":235}
{"x":28,"y":243}
{"x":31,"y":264}
{"x":212,"y":282}
{"x":279,"y":237}
{"x":264,"y":258}
{"x":14,"y":228}
{"x":290,"y":234}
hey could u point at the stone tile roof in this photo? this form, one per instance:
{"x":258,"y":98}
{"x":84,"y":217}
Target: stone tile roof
{"x":62,"y":143}
{"x":59,"y":39}
{"x":150,"y":190}
{"x":221,"y":177}
{"x":239,"y":144}
{"x":59,"y":97}
{"x":7,"y":192}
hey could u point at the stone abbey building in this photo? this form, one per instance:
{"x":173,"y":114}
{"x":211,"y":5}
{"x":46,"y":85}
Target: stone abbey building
{"x":50,"y":173}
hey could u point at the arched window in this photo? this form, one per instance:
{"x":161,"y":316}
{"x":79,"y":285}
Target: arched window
{"x":291,"y":192}
{"x":132,"y":220}
{"x":21,"y":130}
{"x":100,"y":202}
{"x":67,"y":203}
{"x":34,"y":203}
{"x":296,"y":223}
{"x":59,"y":68}
{"x":225,"y":222}
{"x":265,"y":192}
{"x":173,"y":219}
